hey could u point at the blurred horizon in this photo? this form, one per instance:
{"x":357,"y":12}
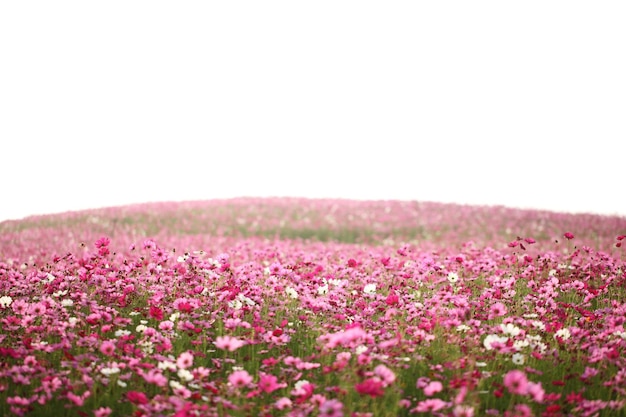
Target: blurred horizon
{"x":510,"y":104}
{"x":269,"y":199}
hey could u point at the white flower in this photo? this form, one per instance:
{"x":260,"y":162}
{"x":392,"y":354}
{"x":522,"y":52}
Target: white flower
{"x":518,"y":359}
{"x":121,"y":383}
{"x":147,"y":347}
{"x":620,"y":334}
{"x":174,"y":316}
{"x":538,"y":325}
{"x":360,"y":349}
{"x":323,"y":289}
{"x":301,"y":383}
{"x":510,"y":329}
{"x":167,"y":365}
{"x":520,"y":344}
{"x":563,"y":334}
{"x":235,"y":304}
{"x":185,"y":375}
{"x":463,"y":328}
{"x":246,"y":300}
{"x":291,"y":293}
{"x":453,"y":277}
{"x":122,"y":333}
{"x":493,"y":338}
{"x":141,"y":328}
{"x":369,"y":289}
{"x":110,"y":371}
{"x":5,"y":301}
{"x":67,"y":302}
{"x":536,"y":343}
{"x":176,"y":385}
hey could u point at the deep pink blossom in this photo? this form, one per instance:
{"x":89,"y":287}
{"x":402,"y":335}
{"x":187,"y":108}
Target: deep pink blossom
{"x":371,"y":386}
{"x":137,"y":397}
{"x":269,"y":383}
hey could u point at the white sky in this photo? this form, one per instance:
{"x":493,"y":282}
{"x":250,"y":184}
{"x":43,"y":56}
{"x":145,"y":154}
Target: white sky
{"x":484,"y":102}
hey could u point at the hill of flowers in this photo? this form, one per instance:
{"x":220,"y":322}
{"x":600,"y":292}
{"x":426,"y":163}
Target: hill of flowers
{"x":297,"y":307}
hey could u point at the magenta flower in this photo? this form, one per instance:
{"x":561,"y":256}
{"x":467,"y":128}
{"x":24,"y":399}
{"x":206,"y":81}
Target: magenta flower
{"x":371,"y":386}
{"x":269,"y":383}
{"x":516,"y":382}
{"x":568,"y":236}
{"x":137,"y":397}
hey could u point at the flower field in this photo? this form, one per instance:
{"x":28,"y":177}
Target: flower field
{"x":295,"y":307}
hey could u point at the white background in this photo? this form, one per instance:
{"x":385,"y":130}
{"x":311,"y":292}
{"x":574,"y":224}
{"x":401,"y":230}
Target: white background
{"x":484,"y":102}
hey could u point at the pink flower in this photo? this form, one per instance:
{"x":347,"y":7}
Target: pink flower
{"x":433,"y":388}
{"x":37,"y":309}
{"x":166,"y":325}
{"x":331,"y":408}
{"x":78,"y":400}
{"x":463,"y":411}
{"x":228,"y":343}
{"x":371,"y":386}
{"x":516,"y":382}
{"x":568,"y":236}
{"x":102,"y":412}
{"x":385,"y":374}
{"x":497,"y":310}
{"x":107,"y":347}
{"x":240,"y":379}
{"x":185,"y":360}
{"x":155,"y":377}
{"x":536,"y":391}
{"x":523,"y":410}
{"x":429,"y":405}
{"x":344,"y":338}
{"x":283,"y":403}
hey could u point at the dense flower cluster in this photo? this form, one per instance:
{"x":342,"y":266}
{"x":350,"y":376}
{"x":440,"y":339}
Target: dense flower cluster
{"x":466,"y":322}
